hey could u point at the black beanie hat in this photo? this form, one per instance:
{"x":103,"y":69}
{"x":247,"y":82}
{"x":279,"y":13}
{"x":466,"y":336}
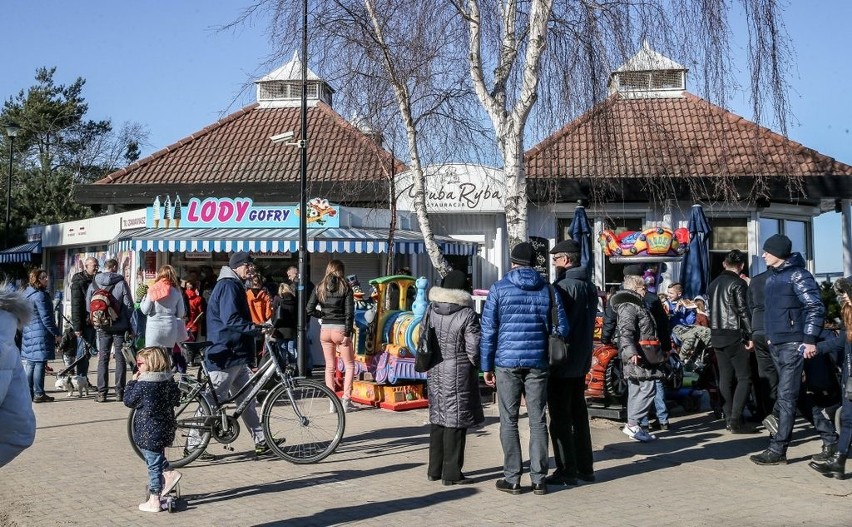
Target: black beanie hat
{"x":455,"y":279}
{"x":634,"y":270}
{"x":523,"y":254}
{"x":778,"y":246}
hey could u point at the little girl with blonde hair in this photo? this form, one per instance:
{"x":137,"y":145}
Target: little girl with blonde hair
{"x":154,"y":395}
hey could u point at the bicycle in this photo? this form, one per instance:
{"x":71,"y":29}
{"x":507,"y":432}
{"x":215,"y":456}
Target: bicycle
{"x":302,"y":420}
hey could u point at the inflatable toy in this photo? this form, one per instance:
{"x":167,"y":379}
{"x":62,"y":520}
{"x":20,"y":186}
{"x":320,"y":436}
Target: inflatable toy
{"x":656,"y":241}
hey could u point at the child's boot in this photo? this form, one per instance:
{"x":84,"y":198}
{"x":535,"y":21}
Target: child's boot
{"x":152,"y":505}
{"x":170,"y":481}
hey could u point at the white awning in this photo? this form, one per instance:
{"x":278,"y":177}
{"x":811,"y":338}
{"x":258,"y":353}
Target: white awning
{"x":340,"y":240}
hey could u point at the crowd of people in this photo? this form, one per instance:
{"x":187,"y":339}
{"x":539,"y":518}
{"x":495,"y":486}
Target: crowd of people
{"x":777,"y":316}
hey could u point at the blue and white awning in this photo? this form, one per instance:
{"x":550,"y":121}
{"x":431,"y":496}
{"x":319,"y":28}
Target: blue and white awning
{"x":338,"y":240}
{"x":20,"y":254}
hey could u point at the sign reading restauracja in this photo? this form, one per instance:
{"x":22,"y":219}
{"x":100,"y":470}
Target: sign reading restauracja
{"x":455,"y":188}
{"x":236,"y":213}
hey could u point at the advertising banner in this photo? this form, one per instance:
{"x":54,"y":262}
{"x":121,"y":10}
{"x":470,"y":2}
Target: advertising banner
{"x":237,"y":213}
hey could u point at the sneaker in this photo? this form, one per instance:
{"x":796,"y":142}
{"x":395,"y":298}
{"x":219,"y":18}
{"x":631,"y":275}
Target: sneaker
{"x":349,"y":406}
{"x":827,"y":453}
{"x":170,"y":480}
{"x":263,"y":448}
{"x":43,"y":398}
{"x":638,"y":433}
{"x":152,"y":505}
{"x":771,"y":424}
{"x":100,"y":398}
{"x":769,"y":457}
{"x":205,"y":456}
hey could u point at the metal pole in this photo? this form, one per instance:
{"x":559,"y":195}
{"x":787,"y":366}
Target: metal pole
{"x":8,"y":196}
{"x":304,"y":276}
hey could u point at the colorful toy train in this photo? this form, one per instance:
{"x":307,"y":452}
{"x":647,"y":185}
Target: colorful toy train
{"x":387,"y":326}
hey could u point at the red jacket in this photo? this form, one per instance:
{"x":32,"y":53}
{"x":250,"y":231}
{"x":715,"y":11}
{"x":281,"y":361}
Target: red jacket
{"x":196,"y":311}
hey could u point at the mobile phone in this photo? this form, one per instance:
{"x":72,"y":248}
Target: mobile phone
{"x":801,"y":350}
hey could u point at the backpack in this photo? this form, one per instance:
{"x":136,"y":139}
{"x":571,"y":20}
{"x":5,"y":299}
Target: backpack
{"x":103,"y":308}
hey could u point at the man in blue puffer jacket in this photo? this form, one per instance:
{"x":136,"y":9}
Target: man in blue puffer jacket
{"x":793,"y":319}
{"x":516,"y":323}
{"x":231,"y":357}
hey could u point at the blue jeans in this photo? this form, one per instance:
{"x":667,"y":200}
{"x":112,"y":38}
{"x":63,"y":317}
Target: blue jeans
{"x":157,"y":464}
{"x":789,"y":364}
{"x":35,"y":376}
{"x":511,"y":384}
{"x":659,"y":405}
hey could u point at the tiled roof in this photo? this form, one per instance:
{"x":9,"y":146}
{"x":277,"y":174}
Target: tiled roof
{"x":237,"y":149}
{"x":683,"y":136}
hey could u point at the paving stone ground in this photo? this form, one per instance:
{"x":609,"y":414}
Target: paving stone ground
{"x":81,"y":471}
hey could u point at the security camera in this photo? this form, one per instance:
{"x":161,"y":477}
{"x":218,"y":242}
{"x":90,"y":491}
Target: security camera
{"x":280,"y":138}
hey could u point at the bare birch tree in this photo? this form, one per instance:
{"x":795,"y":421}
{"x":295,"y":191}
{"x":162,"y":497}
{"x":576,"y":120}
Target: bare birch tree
{"x":534,"y":65}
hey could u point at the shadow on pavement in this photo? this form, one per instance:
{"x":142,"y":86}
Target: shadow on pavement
{"x":374,"y":510}
{"x":325,"y":478}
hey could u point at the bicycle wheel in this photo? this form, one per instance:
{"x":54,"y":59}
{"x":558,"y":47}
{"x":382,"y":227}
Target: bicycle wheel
{"x":190,"y":415}
{"x":306,"y":428}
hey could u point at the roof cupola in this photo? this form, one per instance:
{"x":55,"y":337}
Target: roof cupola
{"x":283,"y":87}
{"x":648,"y":74}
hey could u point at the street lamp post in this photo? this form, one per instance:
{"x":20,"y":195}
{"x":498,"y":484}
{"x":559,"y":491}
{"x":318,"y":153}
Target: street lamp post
{"x":301,"y":298}
{"x":302,"y":143}
{"x":11,"y":132}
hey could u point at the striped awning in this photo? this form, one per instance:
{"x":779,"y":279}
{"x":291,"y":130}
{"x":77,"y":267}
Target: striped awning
{"x":21,"y":254}
{"x":339,"y":240}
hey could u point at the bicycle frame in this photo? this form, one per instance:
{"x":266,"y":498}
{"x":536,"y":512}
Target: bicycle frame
{"x":254,"y":385}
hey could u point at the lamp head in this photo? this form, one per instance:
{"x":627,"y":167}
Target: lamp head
{"x":12,"y":130}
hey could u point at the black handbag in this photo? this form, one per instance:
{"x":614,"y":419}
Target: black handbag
{"x":428,"y":353}
{"x":557,"y":347}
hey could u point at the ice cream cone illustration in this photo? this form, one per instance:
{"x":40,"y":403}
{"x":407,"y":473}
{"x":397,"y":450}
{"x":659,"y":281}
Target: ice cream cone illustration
{"x":156,"y":212}
{"x":168,"y":210}
{"x":177,"y":214}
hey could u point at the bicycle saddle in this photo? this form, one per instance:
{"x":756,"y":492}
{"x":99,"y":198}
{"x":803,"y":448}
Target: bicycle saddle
{"x":197,"y":346}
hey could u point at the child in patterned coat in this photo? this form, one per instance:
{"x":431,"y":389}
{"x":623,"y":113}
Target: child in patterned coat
{"x":154,"y":394}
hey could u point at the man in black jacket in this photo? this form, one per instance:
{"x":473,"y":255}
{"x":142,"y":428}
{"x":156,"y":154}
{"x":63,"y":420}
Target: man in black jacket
{"x":83,"y":328}
{"x":730,"y":334}
{"x":767,"y":375}
{"x":569,"y":418}
{"x":652,"y":302}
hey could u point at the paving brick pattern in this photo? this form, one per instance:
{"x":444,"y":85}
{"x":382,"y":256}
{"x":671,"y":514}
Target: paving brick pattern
{"x":81,"y":471}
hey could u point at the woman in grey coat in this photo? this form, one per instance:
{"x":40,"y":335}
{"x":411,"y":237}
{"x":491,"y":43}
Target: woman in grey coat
{"x":635,"y":325}
{"x":163,"y":305}
{"x":453,"y":383}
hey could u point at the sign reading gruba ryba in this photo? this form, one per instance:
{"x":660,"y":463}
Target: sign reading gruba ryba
{"x":455,"y":188}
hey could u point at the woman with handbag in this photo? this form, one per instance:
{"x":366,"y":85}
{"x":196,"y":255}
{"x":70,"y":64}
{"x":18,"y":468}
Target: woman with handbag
{"x":454,"y":403}
{"x":640,"y":352}
{"x":840,"y":348}
{"x":163,"y":305}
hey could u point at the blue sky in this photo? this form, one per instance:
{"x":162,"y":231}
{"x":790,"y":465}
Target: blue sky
{"x":164,"y":64}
